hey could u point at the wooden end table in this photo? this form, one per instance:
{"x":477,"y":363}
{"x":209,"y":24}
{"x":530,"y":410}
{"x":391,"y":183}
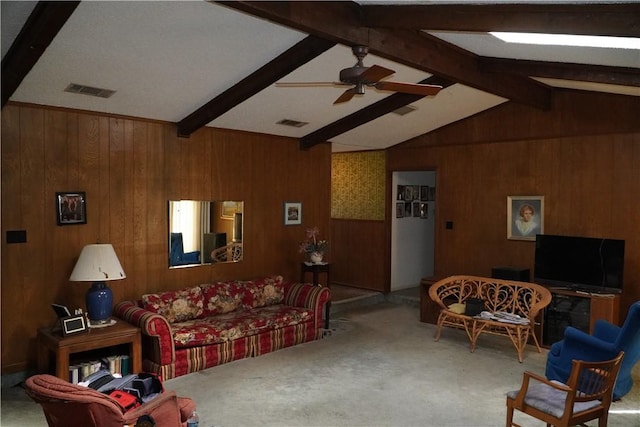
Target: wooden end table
{"x":315,"y":270}
{"x":50,"y":341}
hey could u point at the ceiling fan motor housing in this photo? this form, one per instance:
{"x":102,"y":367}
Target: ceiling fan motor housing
{"x":352,"y":76}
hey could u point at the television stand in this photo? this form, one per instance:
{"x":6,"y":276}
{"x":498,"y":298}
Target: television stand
{"x":579,"y":309}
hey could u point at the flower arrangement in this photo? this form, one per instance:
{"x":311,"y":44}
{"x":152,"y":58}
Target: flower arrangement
{"x":313,"y":243}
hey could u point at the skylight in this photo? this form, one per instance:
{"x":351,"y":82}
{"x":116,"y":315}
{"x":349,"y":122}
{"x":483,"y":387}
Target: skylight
{"x":569,"y":40}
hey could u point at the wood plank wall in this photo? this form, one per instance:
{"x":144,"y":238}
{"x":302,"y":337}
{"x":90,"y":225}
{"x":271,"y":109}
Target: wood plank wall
{"x":583,"y":157}
{"x":359,"y":249}
{"x":129,"y":169}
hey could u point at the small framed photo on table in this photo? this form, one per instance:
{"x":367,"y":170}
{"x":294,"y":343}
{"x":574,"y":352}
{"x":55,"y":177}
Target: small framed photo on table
{"x":73,"y":325}
{"x":71,"y":208}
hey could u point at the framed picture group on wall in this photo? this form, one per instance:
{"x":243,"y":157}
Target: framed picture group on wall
{"x":412,"y":200}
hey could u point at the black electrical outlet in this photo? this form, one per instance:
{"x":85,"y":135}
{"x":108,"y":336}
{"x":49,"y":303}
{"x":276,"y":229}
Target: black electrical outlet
{"x":16,"y":236}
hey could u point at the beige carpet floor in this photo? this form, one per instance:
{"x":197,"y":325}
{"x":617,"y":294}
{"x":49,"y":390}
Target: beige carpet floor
{"x":379,"y":367}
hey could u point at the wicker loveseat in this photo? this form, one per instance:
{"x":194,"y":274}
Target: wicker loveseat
{"x":501,"y":298}
{"x":202,"y":326}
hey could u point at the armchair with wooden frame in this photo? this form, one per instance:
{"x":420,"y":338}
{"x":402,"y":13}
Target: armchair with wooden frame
{"x":587,"y":395}
{"x":71,"y":405}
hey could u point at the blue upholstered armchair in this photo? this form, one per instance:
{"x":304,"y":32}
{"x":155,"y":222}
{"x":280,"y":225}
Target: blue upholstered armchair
{"x":605,"y":343}
{"x":177,"y":256}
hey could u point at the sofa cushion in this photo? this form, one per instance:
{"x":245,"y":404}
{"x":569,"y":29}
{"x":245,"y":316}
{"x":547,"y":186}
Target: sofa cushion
{"x":220,"y":298}
{"x":175,"y":306}
{"x":237,"y":324}
{"x":262,"y":292}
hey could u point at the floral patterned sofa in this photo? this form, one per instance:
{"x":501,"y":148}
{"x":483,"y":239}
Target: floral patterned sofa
{"x":195,"y":328}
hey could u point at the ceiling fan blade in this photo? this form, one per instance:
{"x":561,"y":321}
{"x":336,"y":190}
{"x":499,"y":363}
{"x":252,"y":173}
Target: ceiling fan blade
{"x":375,"y":73}
{"x":346,"y":96}
{"x":309,"y":84}
{"x":411,"y":88}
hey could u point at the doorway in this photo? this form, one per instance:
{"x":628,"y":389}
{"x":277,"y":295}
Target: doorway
{"x":412,"y":228}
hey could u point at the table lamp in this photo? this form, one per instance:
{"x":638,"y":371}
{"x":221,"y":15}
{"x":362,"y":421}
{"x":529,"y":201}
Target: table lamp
{"x":98,"y":263}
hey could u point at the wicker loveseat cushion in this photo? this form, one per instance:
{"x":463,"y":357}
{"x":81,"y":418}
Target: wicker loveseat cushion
{"x":238,"y":324}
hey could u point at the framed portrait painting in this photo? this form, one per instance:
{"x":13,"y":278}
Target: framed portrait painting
{"x":71,"y":208}
{"x":525,"y":217}
{"x":292,"y":213}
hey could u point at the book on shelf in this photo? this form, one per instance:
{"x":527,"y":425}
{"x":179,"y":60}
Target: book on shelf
{"x":116,"y":365}
{"x":74,"y":374}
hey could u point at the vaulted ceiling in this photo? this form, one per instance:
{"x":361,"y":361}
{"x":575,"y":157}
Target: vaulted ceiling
{"x":216,"y":63}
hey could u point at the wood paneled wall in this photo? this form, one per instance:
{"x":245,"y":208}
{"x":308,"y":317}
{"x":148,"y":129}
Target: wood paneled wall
{"x":359,"y":249}
{"x":583,"y":157}
{"x":129,"y":169}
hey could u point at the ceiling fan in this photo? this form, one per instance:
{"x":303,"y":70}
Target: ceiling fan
{"x":361,"y":77}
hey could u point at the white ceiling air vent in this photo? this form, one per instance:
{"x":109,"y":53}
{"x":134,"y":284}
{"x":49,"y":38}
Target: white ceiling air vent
{"x":292,"y":123}
{"x":88,"y":90}
{"x":405,"y":110}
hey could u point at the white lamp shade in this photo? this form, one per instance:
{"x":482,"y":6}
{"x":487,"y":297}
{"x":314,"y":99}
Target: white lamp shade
{"x":97,"y":262}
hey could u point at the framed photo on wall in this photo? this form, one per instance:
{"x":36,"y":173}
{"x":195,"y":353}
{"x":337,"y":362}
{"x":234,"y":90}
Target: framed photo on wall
{"x":525,"y":217}
{"x":71,"y":208}
{"x":400,"y":210}
{"x":424,"y":210}
{"x":292,"y":213}
{"x":424,"y":193}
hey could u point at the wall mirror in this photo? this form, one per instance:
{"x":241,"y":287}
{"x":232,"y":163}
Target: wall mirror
{"x":204,"y":232}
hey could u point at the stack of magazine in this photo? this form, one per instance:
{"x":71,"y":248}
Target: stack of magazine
{"x":503,"y":316}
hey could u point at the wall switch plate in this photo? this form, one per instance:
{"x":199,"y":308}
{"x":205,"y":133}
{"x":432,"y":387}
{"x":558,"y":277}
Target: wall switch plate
{"x":16,"y":236}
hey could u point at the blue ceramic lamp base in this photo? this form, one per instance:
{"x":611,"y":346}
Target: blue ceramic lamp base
{"x":99,"y":302}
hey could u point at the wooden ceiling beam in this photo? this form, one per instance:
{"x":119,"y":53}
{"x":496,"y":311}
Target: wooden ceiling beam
{"x":299,"y":54}
{"x":46,"y":19}
{"x":611,"y":19}
{"x":624,"y":76}
{"x":340,"y":22}
{"x":367,"y":114}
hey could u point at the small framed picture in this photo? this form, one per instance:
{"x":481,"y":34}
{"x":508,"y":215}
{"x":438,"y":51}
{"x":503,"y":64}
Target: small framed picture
{"x":416,"y":209}
{"x":525,"y":217}
{"x":408,"y":193}
{"x":424,"y":193}
{"x":61,"y":310}
{"x":424,"y":210}
{"x":73,"y":325}
{"x":71,"y":208}
{"x":292,"y":213}
{"x":400,"y":210}
{"x":400,"y":191}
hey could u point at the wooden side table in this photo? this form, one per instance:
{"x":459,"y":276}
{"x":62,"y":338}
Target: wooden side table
{"x":315,"y":270}
{"x":429,"y":310}
{"x":94,"y":338}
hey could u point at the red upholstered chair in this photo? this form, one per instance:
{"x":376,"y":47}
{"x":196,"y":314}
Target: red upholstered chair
{"x":69,"y":405}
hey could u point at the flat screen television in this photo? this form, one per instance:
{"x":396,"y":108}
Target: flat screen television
{"x":579,"y":263}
